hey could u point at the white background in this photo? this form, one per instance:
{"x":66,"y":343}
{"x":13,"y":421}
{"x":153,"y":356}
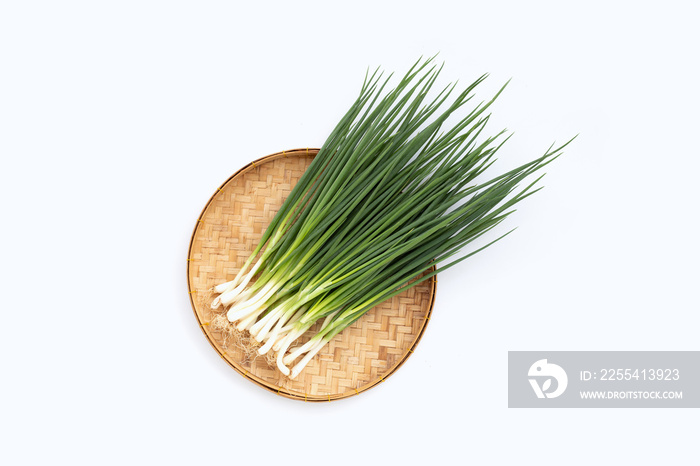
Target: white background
{"x":119,"y":119}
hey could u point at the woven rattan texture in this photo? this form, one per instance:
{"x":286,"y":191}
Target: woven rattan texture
{"x":229,"y":228}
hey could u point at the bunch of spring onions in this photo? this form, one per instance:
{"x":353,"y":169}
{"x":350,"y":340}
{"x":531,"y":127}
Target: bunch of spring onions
{"x":390,"y":194}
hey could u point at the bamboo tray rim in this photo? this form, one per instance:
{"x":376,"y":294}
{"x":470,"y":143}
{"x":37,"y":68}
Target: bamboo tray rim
{"x":282,"y":391}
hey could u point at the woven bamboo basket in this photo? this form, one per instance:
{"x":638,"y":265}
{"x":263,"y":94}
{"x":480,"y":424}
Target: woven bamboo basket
{"x":229,"y":228}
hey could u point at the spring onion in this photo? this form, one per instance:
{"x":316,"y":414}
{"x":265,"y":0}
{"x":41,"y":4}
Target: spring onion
{"x":390,"y":195}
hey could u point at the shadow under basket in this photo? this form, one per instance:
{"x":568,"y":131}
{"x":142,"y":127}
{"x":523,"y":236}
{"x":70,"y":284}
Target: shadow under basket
{"x":228,"y":230}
